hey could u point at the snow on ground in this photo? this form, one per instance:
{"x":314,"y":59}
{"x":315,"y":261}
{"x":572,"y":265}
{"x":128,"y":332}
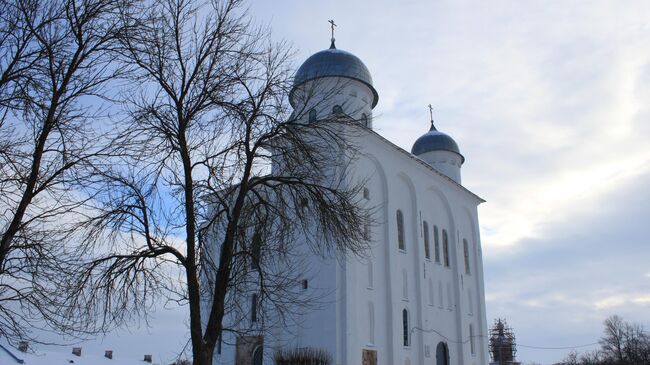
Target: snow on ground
{"x":10,"y":356}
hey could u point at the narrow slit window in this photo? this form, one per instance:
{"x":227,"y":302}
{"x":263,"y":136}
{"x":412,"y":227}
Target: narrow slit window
{"x":371,"y":323}
{"x":256,"y":250}
{"x":471,"y":339}
{"x":436,"y":244}
{"x":425,"y":229}
{"x":366,"y":231}
{"x":466,"y":255}
{"x":405,"y":327}
{"x":445,"y":247}
{"x":400,"y":230}
{"x":254,"y":308}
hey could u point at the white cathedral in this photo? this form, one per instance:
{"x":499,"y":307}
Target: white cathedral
{"x":417,"y":297}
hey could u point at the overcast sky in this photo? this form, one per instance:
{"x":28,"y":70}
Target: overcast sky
{"x":549,"y":102}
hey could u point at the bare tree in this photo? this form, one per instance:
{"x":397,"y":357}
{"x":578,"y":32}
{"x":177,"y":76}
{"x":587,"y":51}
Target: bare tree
{"x":54,"y":64}
{"x":613,"y":341}
{"x":219,"y":182}
{"x":623,"y":343}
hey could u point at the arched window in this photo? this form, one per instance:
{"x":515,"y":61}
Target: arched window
{"x":400,"y":230}
{"x":364,"y":119}
{"x":445,"y":247}
{"x":471,"y":339}
{"x":312,"y":115}
{"x":405,"y":285}
{"x":466,"y":255}
{"x":436,"y":244}
{"x":337,"y":109}
{"x":405,"y":327}
{"x":371,"y":323}
{"x":442,"y":354}
{"x":430,"y":292}
{"x":258,"y":357}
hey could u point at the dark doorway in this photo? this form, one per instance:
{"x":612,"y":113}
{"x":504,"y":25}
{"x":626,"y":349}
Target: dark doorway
{"x":258,"y":356}
{"x":442,"y":354}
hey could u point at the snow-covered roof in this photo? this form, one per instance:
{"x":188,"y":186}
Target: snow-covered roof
{"x":11,"y":356}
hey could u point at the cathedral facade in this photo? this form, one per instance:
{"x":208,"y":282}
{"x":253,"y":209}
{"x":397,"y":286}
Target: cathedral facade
{"x":417,"y":296}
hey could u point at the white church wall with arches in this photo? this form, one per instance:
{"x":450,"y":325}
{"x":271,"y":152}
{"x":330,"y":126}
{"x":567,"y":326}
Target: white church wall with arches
{"x":417,"y":297}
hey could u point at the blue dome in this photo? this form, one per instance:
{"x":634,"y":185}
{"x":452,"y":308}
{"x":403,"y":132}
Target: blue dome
{"x":334,"y":62}
{"x":435,"y":140}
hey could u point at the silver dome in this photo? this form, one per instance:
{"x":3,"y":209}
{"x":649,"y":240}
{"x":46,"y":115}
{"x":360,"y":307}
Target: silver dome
{"x":435,"y":140}
{"x":334,"y":62}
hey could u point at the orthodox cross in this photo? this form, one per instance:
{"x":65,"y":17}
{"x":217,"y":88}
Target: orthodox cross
{"x":431,"y":114}
{"x":331,"y":21}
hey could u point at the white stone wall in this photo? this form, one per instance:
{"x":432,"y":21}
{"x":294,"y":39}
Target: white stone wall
{"x":349,"y":293}
{"x":398,"y":181}
{"x":323,"y":94}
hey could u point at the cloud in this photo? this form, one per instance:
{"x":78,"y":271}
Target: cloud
{"x":557,"y":289}
{"x":548,"y":103}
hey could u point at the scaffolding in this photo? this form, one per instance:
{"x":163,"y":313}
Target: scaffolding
{"x":503,"y":346}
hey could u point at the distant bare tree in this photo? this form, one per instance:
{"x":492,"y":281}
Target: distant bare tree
{"x":613,"y":342}
{"x":54,"y":60}
{"x":191,"y":208}
{"x":623,"y":343}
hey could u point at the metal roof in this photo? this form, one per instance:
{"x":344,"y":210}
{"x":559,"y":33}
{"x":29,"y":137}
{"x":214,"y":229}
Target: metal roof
{"x":435,"y":140}
{"x":334,"y":62}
